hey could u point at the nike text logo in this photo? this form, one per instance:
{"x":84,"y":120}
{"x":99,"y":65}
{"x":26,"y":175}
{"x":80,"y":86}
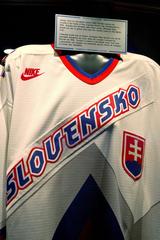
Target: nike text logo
{"x":30,"y":73}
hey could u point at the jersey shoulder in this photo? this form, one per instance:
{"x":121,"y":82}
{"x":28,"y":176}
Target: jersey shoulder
{"x":35,"y":49}
{"x":140,"y":59}
{"x":32,"y":49}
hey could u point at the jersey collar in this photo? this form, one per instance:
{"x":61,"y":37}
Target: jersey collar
{"x":84,"y":76}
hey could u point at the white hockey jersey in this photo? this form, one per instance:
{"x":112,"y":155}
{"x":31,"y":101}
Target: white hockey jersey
{"x":83,"y":152}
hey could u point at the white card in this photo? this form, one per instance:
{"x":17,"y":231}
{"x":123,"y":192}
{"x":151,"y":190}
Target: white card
{"x":90,"y":34}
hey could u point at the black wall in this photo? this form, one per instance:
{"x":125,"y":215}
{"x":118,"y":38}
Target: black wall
{"x":32,"y":22}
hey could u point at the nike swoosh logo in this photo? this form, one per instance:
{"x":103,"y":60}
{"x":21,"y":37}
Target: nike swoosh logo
{"x":25,"y":78}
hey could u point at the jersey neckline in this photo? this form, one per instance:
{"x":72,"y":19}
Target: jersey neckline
{"x":88,"y":78}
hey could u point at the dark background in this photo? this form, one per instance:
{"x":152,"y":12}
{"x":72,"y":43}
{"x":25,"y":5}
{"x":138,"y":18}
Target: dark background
{"x":32,"y":21}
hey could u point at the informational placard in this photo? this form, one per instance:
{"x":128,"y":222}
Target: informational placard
{"x":90,"y":34}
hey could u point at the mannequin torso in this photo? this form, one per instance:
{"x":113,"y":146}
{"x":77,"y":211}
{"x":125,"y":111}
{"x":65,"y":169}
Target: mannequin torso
{"x":89,"y":62}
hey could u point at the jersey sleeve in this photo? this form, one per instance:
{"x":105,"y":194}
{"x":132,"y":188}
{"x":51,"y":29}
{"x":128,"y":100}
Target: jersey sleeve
{"x":3,"y":149}
{"x":6,"y":103}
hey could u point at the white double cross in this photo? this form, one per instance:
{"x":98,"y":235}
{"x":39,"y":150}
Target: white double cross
{"x":135,"y":148}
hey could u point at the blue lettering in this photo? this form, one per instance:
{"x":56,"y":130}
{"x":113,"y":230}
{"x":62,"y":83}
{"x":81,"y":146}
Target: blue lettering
{"x":23,"y":179}
{"x":88,"y":123}
{"x":120,"y":102}
{"x":11,"y":187}
{"x":36,"y":162}
{"x":105,"y":110}
{"x":72,"y":134}
{"x":53,"y":147}
{"x":133,"y":96}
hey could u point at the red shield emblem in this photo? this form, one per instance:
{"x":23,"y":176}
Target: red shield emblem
{"x":133,"y":154}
